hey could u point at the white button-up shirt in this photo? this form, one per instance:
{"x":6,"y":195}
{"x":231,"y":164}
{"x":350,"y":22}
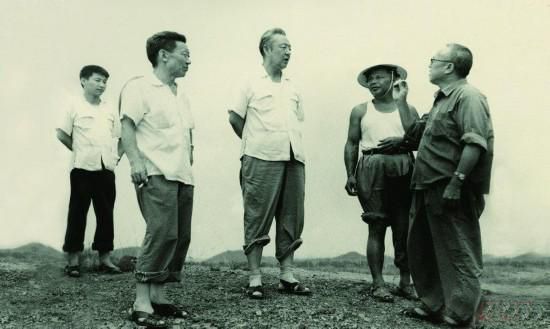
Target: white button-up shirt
{"x":95,"y":130}
{"x":274,"y":119}
{"x":163,"y":126}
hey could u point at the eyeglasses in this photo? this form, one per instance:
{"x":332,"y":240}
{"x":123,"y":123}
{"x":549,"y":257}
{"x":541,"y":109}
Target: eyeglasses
{"x":432,"y":60}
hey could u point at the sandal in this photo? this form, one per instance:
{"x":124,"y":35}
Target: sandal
{"x":256,"y":292}
{"x":451,"y":322}
{"x":147,"y":320}
{"x":381,"y":294}
{"x":72,"y":271}
{"x":421,"y":313}
{"x":295,"y":288}
{"x":109,"y":269}
{"x":406,"y":292}
{"x":169,"y":310}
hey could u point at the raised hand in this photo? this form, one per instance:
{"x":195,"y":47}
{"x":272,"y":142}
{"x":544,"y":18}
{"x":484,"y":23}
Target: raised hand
{"x":400,"y":90}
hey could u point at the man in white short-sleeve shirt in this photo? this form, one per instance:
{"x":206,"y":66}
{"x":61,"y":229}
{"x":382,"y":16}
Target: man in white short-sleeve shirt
{"x":90,"y":128}
{"x":156,"y":134}
{"x":268,"y":116}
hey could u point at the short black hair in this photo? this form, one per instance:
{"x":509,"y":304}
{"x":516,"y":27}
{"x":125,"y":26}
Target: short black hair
{"x":267,"y":36}
{"x":462,"y":58}
{"x":163,"y":40}
{"x":88,"y":70}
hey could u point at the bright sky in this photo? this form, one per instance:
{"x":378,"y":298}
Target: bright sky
{"x":45,"y":43}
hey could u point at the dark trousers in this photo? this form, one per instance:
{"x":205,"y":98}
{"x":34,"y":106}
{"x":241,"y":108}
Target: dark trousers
{"x":444,"y":249}
{"x":97,"y":187}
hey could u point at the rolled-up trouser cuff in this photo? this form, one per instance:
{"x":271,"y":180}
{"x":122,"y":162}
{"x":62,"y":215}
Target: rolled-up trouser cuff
{"x":293,"y":246}
{"x":373,"y":216}
{"x":157,"y":277}
{"x":102,"y":248}
{"x":261,"y":241}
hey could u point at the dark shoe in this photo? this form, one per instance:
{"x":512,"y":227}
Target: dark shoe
{"x":147,"y":320}
{"x":170,"y":310}
{"x":381,"y":294}
{"x":72,"y":271}
{"x":422,"y":313}
{"x":295,"y":288}
{"x":256,"y":292}
{"x":109,"y":269}
{"x":406,"y":292}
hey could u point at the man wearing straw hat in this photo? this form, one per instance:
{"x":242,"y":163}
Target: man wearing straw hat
{"x":379,"y":173}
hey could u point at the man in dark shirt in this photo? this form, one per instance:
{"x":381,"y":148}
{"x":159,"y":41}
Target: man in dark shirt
{"x":452,"y":172}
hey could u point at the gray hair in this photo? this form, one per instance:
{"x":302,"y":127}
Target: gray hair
{"x":268,"y":36}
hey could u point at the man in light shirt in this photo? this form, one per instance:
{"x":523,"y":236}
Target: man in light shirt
{"x":90,"y":129}
{"x":268,"y":116}
{"x":157,"y":137}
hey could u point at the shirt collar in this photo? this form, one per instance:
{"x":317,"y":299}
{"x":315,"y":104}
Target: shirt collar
{"x":264,"y":75}
{"x":154,"y":80}
{"x":83,"y":98}
{"x":451,"y":87}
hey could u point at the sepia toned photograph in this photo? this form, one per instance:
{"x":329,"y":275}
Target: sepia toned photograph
{"x":275,"y":164}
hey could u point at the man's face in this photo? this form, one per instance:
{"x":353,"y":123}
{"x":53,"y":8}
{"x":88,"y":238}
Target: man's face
{"x":95,"y":84}
{"x":279,"y":52}
{"x":379,"y":81}
{"x":178,"y":60}
{"x":441,"y":64}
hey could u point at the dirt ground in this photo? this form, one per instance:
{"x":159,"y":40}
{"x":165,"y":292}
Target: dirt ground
{"x":34,"y":293}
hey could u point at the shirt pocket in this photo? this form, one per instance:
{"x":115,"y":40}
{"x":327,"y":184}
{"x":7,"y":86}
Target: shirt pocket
{"x":161,"y":119}
{"x":443,"y":125}
{"x":262,"y":101}
{"x":295,"y":107}
{"x":84,"y":122}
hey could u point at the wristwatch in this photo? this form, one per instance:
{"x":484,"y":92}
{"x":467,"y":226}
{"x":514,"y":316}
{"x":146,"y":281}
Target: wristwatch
{"x":461,"y":177}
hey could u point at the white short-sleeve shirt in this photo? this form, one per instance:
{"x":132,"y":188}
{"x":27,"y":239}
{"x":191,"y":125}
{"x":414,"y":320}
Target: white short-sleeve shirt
{"x":163,"y":126}
{"x":274,"y":118}
{"x":95,"y":131}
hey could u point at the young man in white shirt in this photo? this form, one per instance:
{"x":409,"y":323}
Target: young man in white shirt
{"x":91,"y":129}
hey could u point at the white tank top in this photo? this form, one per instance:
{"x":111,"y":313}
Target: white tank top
{"x":376,"y":125}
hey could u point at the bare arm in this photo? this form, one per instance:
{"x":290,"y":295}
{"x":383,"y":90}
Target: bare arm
{"x":129,"y":144}
{"x":407,"y":113}
{"x":237,"y":123}
{"x":351,"y":150}
{"x":120,"y":148}
{"x":65,"y":139}
{"x":192,"y":147}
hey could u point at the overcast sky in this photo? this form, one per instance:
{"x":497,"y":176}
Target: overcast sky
{"x":45,"y":43}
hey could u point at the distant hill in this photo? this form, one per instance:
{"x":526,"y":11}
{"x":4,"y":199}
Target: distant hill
{"x":34,"y":250}
{"x":350,"y":256}
{"x":530,"y":258}
{"x":236,"y":257}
